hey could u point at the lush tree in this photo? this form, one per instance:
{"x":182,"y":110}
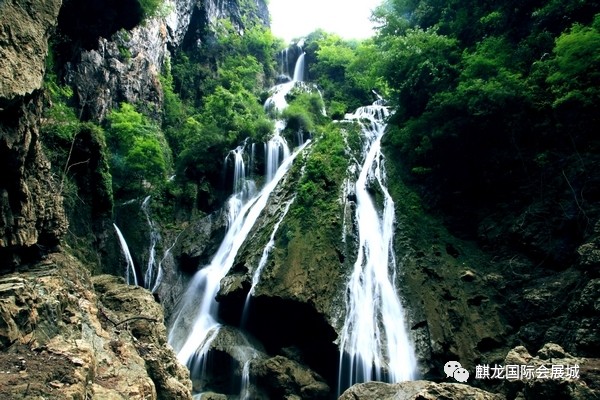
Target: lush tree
{"x":576,"y":76}
{"x":138,"y":153}
{"x":417,"y":65}
{"x":343,"y":70}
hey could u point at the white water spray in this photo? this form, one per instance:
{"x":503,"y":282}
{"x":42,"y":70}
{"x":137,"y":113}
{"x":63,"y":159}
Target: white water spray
{"x":151,"y":269}
{"x":299,"y":69}
{"x":130,"y":266}
{"x":245,"y":390}
{"x":374,"y":343}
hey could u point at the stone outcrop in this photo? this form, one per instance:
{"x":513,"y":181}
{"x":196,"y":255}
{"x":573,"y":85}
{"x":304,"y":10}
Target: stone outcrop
{"x":416,"y":390}
{"x":123,"y":69}
{"x":24,"y":31}
{"x":583,"y":384}
{"x":282,"y":378}
{"x":31,"y":215}
{"x":60,"y":339}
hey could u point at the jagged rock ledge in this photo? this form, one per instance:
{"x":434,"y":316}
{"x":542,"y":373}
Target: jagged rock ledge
{"x":65,"y":335}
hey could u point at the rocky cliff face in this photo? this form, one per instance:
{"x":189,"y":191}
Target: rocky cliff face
{"x":65,"y":336}
{"x":125,"y":65}
{"x":32,"y":218}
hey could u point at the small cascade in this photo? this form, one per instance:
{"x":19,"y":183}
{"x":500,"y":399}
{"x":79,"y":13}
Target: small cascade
{"x":245,"y":390}
{"x":159,"y":275}
{"x":130,"y":265}
{"x":278,"y":92}
{"x":197,"y":321}
{"x":242,"y":186}
{"x":263,"y":261}
{"x":374,"y":343}
{"x":276,"y":150}
{"x":285,"y":62}
{"x":299,"y":69}
{"x":152,"y":269}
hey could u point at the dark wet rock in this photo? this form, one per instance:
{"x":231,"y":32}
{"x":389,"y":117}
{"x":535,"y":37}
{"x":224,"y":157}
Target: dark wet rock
{"x":282,"y":378}
{"x":200,"y":241}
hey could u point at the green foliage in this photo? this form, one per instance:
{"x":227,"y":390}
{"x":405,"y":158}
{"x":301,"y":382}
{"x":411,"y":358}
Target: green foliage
{"x":343,"y":70}
{"x":577,"y":63}
{"x":257,"y":46}
{"x":212,"y":104}
{"x":137,"y":154}
{"x":60,"y":124}
{"x":488,"y":97}
{"x":319,"y":187}
{"x":304,"y":112}
{"x":417,"y":65}
{"x":150,"y":8}
{"x":175,"y":113}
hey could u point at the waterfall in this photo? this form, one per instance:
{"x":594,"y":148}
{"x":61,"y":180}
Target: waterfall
{"x":278,"y":92}
{"x":276,"y":150}
{"x":374,"y":343}
{"x":160,"y":271}
{"x":245,"y":390}
{"x":130,"y":266}
{"x":151,"y":268}
{"x":199,"y":299}
{"x":299,"y":69}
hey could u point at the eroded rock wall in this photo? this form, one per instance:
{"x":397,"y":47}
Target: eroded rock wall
{"x":65,"y":336}
{"x":31,"y":215}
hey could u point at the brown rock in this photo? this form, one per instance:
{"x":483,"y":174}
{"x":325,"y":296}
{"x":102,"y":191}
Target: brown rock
{"x":416,"y":390}
{"x":30,"y":206}
{"x":24,"y":30}
{"x":56,"y":329}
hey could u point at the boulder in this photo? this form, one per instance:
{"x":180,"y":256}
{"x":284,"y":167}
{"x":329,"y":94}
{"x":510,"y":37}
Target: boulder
{"x":576,"y":379}
{"x":283,"y":378}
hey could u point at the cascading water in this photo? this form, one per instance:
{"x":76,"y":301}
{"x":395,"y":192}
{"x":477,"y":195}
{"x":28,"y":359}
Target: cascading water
{"x":151,"y":275}
{"x":159,"y":275}
{"x":130,"y":265}
{"x":374,"y":343}
{"x":245,"y":391}
{"x":276,"y":150}
{"x":299,"y":69}
{"x":278,"y":92}
{"x":207,"y":280}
